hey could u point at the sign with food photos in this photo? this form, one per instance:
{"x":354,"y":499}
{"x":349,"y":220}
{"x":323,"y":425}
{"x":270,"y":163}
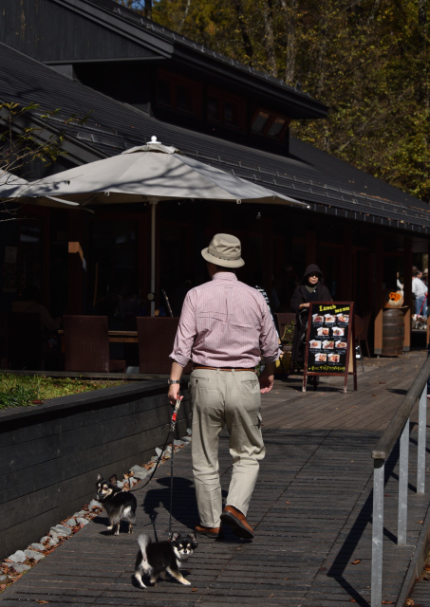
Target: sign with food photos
{"x":330,"y":341}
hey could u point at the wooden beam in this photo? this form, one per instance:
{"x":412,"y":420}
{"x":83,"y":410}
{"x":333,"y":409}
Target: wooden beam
{"x":76,"y":277}
{"x":311,"y":247}
{"x":378,"y":292}
{"x":268,"y":255}
{"x":346,"y":268}
{"x":407,"y":292}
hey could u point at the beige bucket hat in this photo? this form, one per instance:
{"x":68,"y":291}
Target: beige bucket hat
{"x":224,"y":250}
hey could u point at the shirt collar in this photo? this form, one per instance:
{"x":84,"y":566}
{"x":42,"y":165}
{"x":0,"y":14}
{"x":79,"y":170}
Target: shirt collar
{"x":224,"y":276}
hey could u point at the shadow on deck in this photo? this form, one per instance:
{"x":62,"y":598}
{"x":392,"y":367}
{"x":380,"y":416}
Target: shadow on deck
{"x":311,"y":509}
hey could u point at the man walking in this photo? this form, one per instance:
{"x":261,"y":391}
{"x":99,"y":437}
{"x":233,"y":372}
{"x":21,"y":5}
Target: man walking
{"x":225,"y":328}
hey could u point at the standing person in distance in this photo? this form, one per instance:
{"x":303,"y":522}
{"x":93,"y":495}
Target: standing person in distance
{"x":311,"y":289}
{"x":419,"y":290}
{"x":225,"y":328}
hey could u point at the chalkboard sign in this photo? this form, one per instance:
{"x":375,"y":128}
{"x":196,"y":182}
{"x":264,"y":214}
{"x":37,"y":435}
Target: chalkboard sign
{"x":330,"y":341}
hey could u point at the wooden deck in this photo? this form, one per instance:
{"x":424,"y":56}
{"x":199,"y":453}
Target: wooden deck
{"x":311,"y":510}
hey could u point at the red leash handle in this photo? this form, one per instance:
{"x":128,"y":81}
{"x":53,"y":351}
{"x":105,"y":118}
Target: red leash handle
{"x":175,"y":414}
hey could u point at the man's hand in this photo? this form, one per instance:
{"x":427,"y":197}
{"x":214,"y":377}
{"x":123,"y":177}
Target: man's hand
{"x":173,"y":394}
{"x":267,"y":378}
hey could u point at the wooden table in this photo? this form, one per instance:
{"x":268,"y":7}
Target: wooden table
{"x":123,"y":337}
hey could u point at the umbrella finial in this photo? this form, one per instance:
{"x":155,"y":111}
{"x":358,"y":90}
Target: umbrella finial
{"x":154,"y":139}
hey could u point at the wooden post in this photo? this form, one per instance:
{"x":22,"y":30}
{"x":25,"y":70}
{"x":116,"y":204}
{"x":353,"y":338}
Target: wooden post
{"x":346,"y":268}
{"x":77,"y":263}
{"x":378,"y":290}
{"x":268,"y":255}
{"x":407,"y":292}
{"x":215,"y":223}
{"x":311,"y":247}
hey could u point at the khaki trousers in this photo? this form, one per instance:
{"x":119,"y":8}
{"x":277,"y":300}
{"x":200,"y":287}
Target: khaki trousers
{"x":232,"y":399}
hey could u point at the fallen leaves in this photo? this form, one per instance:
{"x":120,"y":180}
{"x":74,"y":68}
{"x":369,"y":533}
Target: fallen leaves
{"x":356,"y":562}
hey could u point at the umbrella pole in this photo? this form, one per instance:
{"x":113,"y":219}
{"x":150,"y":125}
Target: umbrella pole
{"x":153,"y":219}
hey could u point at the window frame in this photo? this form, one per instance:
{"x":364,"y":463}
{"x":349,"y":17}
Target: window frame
{"x":224,"y":98}
{"x":175,"y":81}
{"x":271,"y":120}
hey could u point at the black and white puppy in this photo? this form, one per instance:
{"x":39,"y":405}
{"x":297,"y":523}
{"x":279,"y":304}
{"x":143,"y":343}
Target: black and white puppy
{"x":119,"y":505}
{"x":155,"y":558}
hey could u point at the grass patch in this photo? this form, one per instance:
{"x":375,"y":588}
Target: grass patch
{"x":27,"y":391}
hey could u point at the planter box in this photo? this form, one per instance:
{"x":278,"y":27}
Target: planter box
{"x":50,"y":454}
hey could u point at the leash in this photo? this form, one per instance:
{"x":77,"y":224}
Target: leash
{"x":172,"y":430}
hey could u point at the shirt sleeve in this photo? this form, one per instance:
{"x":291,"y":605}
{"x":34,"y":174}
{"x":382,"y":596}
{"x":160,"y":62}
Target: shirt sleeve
{"x":185,"y":334}
{"x":269,"y":343}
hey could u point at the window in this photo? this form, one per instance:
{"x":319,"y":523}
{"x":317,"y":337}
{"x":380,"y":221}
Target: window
{"x":178,"y":93}
{"x":268,"y":124}
{"x":259,"y":122}
{"x":226,"y":109}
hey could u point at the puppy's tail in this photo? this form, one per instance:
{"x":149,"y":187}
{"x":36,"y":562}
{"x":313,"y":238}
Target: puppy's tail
{"x":143,"y":541}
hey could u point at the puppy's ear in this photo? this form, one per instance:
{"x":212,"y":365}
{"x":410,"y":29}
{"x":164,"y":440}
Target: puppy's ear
{"x":113,"y":479}
{"x":193,"y":539}
{"x":175,"y":536}
{"x":99,"y":477}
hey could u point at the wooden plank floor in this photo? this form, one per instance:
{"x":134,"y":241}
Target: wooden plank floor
{"x":311,"y":510}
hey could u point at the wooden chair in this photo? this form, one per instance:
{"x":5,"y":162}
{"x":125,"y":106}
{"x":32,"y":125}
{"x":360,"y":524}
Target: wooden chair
{"x":362,"y":329}
{"x":156,"y":336}
{"x":25,"y":349}
{"x":86,"y":344}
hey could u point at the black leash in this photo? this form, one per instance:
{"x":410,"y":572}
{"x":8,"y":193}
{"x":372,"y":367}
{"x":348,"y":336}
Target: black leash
{"x":172,"y":430}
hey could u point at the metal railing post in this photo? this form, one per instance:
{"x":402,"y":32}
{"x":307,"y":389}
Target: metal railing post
{"x":421,"y":455}
{"x":402,"y":515}
{"x":377,"y":531}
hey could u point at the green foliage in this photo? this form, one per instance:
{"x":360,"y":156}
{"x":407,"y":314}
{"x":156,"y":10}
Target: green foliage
{"x":26,"y":391}
{"x":288,"y":333}
{"x":368,"y":60}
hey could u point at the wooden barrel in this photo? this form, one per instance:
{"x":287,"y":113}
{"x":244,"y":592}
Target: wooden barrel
{"x":392,"y":332}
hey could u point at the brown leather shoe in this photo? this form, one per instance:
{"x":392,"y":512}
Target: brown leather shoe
{"x":238,"y":523}
{"x":208,"y":531}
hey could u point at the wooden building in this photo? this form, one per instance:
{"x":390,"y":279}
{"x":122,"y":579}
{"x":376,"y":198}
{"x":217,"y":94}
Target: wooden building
{"x":134,"y":79}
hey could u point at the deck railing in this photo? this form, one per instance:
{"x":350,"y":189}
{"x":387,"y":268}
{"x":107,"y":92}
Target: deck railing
{"x":398,"y":427}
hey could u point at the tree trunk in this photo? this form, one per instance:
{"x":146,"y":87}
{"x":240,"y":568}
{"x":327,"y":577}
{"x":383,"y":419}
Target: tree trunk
{"x":249,"y":51}
{"x":290,"y":14}
{"x":269,"y":37}
{"x":148,"y":9}
{"x":187,"y":9}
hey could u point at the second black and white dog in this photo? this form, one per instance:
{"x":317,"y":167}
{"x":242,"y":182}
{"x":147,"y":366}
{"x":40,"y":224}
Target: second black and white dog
{"x":157,"y":558}
{"x":119,"y":505}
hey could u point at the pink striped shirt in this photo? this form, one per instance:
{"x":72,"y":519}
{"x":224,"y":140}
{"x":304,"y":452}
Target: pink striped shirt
{"x":225,"y":323}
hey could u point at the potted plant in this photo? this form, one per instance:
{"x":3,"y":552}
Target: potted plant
{"x":286,"y":337}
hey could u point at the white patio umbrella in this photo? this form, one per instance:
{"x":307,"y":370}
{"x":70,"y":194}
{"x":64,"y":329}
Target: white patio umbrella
{"x":149,"y":173}
{"x":10,"y":183}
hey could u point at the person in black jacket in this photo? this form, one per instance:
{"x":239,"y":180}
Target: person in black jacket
{"x":311,"y":289}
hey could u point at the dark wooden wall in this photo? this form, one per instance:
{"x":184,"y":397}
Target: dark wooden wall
{"x":50,"y":455}
{"x":49,"y":32}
